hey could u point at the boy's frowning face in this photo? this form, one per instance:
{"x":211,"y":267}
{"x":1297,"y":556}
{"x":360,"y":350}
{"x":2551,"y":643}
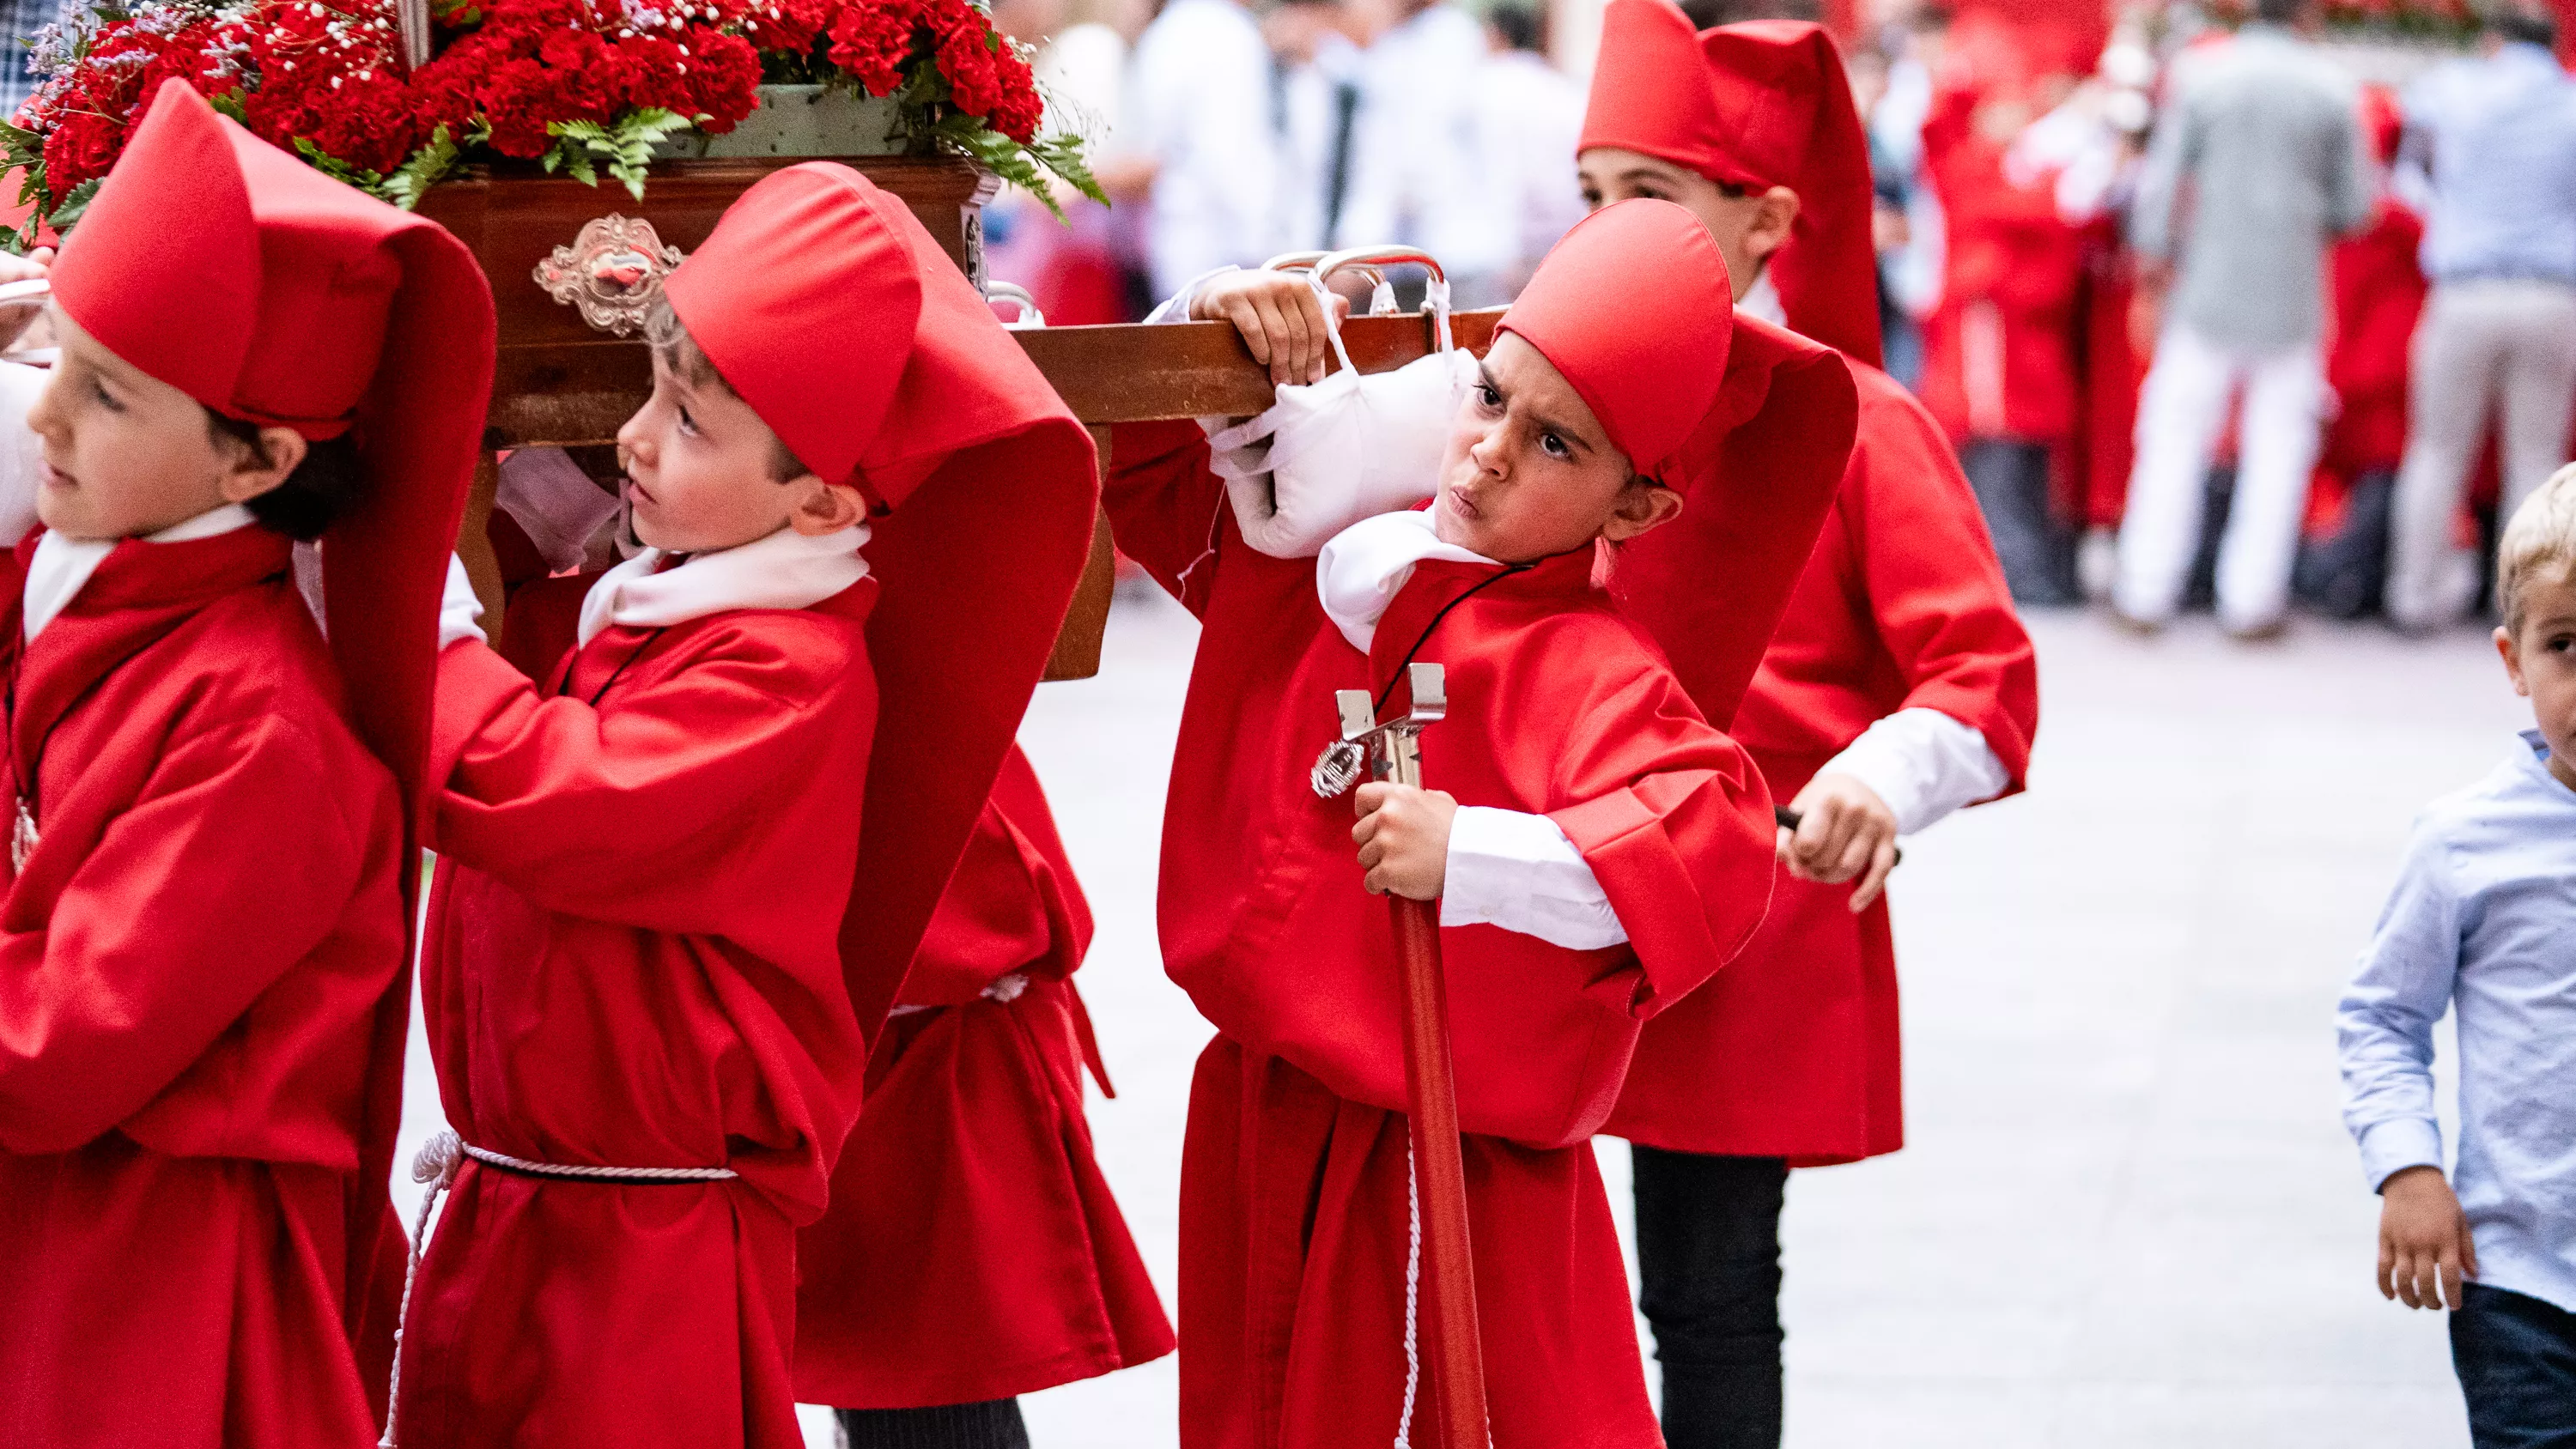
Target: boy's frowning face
{"x":1530,"y":472}
{"x":127,"y":454}
{"x":703,"y":471}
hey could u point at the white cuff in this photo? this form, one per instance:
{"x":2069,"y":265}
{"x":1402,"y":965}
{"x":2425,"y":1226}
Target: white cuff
{"x":459,"y":608}
{"x":1924,"y":764}
{"x":1176,"y":307}
{"x":2392,"y":1146}
{"x":1521,"y":873}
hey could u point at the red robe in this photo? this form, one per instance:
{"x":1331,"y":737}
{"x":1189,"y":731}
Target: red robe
{"x":1999,"y":352}
{"x":1293,"y":1193}
{"x":972,"y":1250}
{"x":2379,"y":291}
{"x":618,"y":972}
{"x":190,"y":969}
{"x":1792,"y":1050}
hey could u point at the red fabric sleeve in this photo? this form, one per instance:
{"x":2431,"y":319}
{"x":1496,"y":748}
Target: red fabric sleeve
{"x":1164,"y":505}
{"x":634,"y":815}
{"x":1935,"y":590}
{"x":1676,"y":824}
{"x":237,"y":861}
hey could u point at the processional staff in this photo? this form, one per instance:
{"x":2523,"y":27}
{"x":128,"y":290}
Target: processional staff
{"x":1392,"y":751}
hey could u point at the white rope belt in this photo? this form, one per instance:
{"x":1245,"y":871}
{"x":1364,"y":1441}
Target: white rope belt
{"x":437,"y":1165}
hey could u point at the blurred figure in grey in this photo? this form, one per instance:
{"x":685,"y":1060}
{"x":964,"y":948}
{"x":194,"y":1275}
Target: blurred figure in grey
{"x":1528,"y":118}
{"x":2254,"y":169}
{"x":2496,"y":139}
{"x":1195,"y":138}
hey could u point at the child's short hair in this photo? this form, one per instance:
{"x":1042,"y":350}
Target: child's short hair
{"x":2540,"y":542}
{"x":313,"y":496}
{"x":671,"y":342}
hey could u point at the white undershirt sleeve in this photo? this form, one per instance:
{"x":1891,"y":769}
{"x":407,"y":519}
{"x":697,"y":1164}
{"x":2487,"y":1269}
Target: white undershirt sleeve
{"x":1924,"y":764}
{"x":1520,"y":872}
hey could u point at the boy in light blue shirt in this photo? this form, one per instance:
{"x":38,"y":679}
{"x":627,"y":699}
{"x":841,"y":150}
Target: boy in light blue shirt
{"x":2483,"y":922}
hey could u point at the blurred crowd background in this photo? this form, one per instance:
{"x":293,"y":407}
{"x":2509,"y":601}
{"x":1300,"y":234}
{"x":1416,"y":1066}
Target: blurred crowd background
{"x":2214,"y":212}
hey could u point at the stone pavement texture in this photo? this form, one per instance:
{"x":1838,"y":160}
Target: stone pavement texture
{"x":2128,"y":1214}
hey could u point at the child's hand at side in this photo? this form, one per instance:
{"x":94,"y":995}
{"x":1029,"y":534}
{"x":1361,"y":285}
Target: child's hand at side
{"x":1844,"y":830}
{"x":2423,"y":1240}
{"x":1279,"y":315}
{"x":1403,"y":837}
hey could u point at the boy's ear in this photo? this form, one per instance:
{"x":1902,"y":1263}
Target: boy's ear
{"x":1775,"y":216}
{"x":2512,"y":661}
{"x":1642,"y":508}
{"x":822,"y":508}
{"x":261,"y":469}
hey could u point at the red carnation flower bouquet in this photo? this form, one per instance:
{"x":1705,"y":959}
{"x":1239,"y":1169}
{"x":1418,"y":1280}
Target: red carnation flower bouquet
{"x":578,"y":86}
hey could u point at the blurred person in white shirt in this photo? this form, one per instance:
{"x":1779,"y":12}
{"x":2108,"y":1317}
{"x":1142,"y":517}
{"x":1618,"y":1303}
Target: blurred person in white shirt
{"x":1195,"y":142}
{"x":1320,"y":48}
{"x":1418,"y":179}
{"x":1528,"y":118}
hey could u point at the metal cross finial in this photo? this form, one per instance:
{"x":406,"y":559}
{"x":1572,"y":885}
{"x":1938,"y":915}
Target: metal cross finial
{"x":1391,"y":748}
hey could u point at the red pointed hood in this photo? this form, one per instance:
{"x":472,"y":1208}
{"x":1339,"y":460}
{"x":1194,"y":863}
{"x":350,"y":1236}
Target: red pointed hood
{"x":1751,"y":424}
{"x":1757,"y":105}
{"x":822,"y":301}
{"x":270,"y":293}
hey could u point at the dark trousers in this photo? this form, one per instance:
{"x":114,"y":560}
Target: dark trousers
{"x":2010,"y":478}
{"x":994,"y":1424}
{"x":1708,"y":1250}
{"x":2516,"y":1357}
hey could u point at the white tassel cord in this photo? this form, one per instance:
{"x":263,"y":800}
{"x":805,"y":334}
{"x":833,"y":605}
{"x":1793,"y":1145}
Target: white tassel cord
{"x":440,"y":1158}
{"x":1412,"y":1288}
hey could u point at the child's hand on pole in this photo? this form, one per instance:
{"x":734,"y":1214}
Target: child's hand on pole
{"x":1844,"y":830}
{"x":2423,"y":1240}
{"x":1403,"y":837}
{"x":1280,"y":317}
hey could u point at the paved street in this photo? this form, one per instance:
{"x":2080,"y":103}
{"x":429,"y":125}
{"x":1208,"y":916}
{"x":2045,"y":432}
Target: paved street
{"x":2128,"y":1214}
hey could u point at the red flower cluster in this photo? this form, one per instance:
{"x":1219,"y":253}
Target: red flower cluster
{"x":333,"y":78}
{"x":535,"y":62}
{"x":881,"y":44}
{"x":329,"y":72}
{"x":300,"y":68}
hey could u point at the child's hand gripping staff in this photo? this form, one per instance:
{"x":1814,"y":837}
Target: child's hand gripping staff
{"x":1403,"y":837}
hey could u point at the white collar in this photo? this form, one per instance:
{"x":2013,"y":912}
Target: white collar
{"x":1366,"y":565}
{"x":62,"y":566}
{"x":785,"y":570}
{"x":1762,"y":300}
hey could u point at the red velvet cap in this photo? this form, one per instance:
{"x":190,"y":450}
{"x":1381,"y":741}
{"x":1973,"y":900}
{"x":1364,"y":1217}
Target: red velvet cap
{"x":1750,"y":423}
{"x":824,"y":304}
{"x":1758,"y":105}
{"x":269,"y":292}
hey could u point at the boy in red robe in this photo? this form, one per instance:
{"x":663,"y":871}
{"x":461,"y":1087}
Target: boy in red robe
{"x":202,"y":944}
{"x":1898,"y":688}
{"x":658,"y":944}
{"x":1598,"y":848}
{"x":1999,"y":366}
{"x":972,"y":1252}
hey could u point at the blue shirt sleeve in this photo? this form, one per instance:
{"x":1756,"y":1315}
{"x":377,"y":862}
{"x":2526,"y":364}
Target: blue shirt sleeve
{"x":2385,"y":1023}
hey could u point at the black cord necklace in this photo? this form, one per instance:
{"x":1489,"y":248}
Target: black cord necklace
{"x":1464,"y":595}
